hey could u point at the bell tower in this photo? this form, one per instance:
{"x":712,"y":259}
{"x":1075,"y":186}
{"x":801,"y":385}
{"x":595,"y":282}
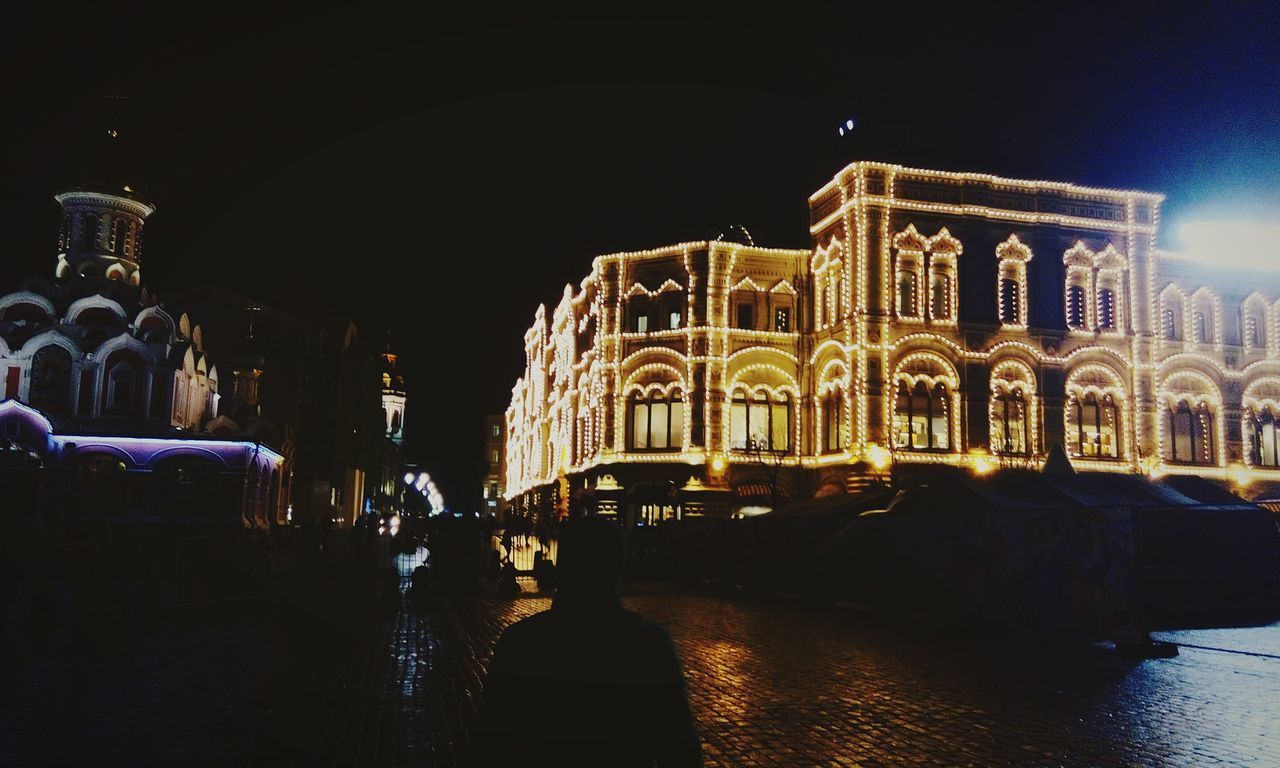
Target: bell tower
{"x":101,"y":231}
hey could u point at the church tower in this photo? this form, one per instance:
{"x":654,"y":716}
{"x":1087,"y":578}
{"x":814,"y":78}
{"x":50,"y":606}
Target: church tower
{"x":101,"y":231}
{"x":101,"y":234}
{"x":393,"y":395}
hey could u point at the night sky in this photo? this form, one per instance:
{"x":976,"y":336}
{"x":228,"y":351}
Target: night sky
{"x":442,"y":174}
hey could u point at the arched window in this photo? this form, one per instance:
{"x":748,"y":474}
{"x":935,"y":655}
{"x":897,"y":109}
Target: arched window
{"x":1254,"y":323}
{"x":1010,"y":423}
{"x":656,"y":421}
{"x":120,"y":238}
{"x":940,"y":293}
{"x":50,"y":390}
{"x":1093,"y":426}
{"x":1077,"y":317}
{"x":832,"y":421}
{"x":395,"y":422}
{"x":907,"y":279}
{"x":1266,"y":438}
{"x":760,"y":422}
{"x":1106,"y":309}
{"x":922,"y":417}
{"x":1204,"y":317}
{"x":1169,"y":325}
{"x":1201,"y":327}
{"x":89,"y":232}
{"x":1190,"y":439}
{"x":1010,"y":313}
{"x":1252,"y":332}
{"x":121,"y":388}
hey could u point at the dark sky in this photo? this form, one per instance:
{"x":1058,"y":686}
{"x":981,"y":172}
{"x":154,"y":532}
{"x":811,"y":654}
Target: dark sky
{"x":443,"y":173}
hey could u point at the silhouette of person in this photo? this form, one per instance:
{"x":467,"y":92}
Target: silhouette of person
{"x":586,"y":682}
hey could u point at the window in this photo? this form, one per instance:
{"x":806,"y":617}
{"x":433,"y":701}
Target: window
{"x":760,"y":422}
{"x":89,"y":232}
{"x":120,"y":239}
{"x":1093,"y":426}
{"x":493,"y":457}
{"x":639,"y":306}
{"x":746,"y":315}
{"x":1190,"y":438}
{"x":1009,"y":302}
{"x":1010,"y":424}
{"x":496,"y":430}
{"x":1170,"y":328}
{"x":907,"y":294}
{"x":940,"y":294}
{"x":657,"y":421}
{"x":673,"y":320}
{"x":782,"y":319}
{"x":1076,"y":308}
{"x":642,"y":323}
{"x":921,"y":418}
{"x":1201,"y":327}
{"x":1252,"y":332}
{"x":1266,"y":439}
{"x":1107,"y":309}
{"x":832,"y":410}
{"x":120,"y":388}
{"x":51,"y":381}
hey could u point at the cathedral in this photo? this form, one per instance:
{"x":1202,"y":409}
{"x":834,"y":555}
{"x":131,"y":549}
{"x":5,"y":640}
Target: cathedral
{"x":109,"y":405}
{"x":937,"y":317}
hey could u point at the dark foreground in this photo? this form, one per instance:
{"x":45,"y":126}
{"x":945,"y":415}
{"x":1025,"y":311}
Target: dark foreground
{"x":338,"y":674}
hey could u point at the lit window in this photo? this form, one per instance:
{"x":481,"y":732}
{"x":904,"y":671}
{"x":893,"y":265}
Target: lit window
{"x":1010,"y":313}
{"x":832,"y":411}
{"x":1190,"y":438}
{"x":1266,"y":439}
{"x":642,"y":323}
{"x":1077,"y":317}
{"x":921,"y":417}
{"x":782,"y":320}
{"x":1107,"y":309}
{"x":1010,"y":424}
{"x":657,"y":422}
{"x":940,"y":294}
{"x":906,"y":282}
{"x":1093,"y":426}
{"x":760,"y":423}
{"x":673,"y":320}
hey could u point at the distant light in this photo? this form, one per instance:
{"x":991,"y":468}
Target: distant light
{"x":841,"y":129}
{"x":1232,"y":243}
{"x":718,"y":463}
{"x":983,"y":466}
{"x":848,"y":124}
{"x":878,"y":456}
{"x":408,"y":478}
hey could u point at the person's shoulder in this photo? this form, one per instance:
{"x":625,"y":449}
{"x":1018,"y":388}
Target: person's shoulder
{"x":527,"y":627}
{"x":644,"y":629}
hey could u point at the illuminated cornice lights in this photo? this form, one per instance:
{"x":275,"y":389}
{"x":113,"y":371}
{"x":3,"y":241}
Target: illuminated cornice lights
{"x":1231,"y":243}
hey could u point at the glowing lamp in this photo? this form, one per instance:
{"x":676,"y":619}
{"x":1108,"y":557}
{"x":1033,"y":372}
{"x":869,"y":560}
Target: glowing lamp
{"x":718,"y":463}
{"x":408,"y":478}
{"x":983,"y":466}
{"x":878,"y":456}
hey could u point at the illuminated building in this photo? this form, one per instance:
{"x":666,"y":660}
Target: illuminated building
{"x":955,"y":318}
{"x":495,"y":456}
{"x":109,"y":404}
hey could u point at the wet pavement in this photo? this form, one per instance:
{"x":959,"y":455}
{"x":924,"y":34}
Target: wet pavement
{"x":773,"y":682}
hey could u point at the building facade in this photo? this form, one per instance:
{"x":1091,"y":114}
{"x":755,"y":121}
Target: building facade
{"x":495,"y":456}
{"x":937,"y":317}
{"x":109,"y":403}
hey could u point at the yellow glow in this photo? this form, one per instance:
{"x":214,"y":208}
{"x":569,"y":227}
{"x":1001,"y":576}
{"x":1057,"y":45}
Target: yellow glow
{"x":718,"y":463}
{"x":983,"y":466}
{"x":878,"y":456}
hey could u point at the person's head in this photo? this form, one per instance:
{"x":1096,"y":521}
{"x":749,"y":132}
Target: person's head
{"x":591,"y":557}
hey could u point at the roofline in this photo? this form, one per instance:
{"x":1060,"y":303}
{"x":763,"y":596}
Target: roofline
{"x":1061,"y":186}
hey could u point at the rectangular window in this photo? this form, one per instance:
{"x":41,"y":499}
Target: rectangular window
{"x":493,"y":457}
{"x":738,"y":425}
{"x":673,"y":321}
{"x":642,"y":323}
{"x":496,"y":431}
{"x":782,"y":320}
{"x":780,"y":432}
{"x":640,"y":426}
{"x":677,"y":424}
{"x":658,"y":424}
{"x":746,"y":316}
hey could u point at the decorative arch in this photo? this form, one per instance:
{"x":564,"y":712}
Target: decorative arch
{"x":1011,"y":282}
{"x":1094,"y":413}
{"x":1012,"y":409}
{"x":1173,"y":313}
{"x":1189,"y":418}
{"x":926,"y":403}
{"x":88,"y":303}
{"x":11,"y":303}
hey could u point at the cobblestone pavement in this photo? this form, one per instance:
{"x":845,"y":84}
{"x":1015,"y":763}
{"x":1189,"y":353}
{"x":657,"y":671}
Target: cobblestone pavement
{"x":772,"y":683}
